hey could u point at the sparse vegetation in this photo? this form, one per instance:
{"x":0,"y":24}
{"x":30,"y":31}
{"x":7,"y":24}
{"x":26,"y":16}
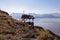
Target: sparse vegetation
{"x":12,"y":29}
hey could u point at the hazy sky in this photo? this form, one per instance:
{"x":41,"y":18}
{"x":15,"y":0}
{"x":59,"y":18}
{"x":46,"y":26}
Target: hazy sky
{"x":32,"y":6}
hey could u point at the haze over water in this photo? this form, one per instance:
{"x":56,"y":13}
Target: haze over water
{"x":35,"y":6}
{"x":52,"y":24}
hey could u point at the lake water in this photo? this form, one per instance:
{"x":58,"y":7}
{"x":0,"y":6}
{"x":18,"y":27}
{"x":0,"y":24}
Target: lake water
{"x":52,"y":24}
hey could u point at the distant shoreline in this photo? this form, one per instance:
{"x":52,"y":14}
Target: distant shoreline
{"x":45,"y":17}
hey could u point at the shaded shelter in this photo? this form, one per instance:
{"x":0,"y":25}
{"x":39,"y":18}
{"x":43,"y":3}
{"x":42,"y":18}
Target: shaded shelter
{"x":26,"y":17}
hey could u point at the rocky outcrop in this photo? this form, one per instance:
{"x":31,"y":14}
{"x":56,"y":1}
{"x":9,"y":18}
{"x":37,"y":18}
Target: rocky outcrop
{"x":12,"y":29}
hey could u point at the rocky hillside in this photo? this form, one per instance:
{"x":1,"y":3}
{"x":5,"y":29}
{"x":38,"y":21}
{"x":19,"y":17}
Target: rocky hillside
{"x":12,"y":29}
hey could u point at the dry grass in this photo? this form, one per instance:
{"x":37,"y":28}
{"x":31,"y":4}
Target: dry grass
{"x":12,"y":29}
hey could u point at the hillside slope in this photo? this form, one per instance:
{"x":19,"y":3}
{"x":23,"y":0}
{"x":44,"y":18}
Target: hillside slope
{"x":12,"y":29}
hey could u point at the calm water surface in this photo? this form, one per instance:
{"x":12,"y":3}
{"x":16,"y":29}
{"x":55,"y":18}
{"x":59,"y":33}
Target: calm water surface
{"x":52,"y":24}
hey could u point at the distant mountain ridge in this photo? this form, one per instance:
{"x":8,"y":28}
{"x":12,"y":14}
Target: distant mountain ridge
{"x":12,"y":29}
{"x":52,"y":15}
{"x":16,"y":15}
